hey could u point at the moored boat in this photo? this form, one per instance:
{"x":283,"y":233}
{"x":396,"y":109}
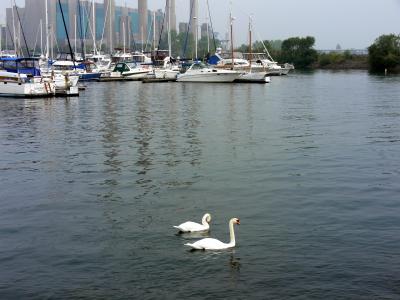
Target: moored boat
{"x":199,"y":72}
{"x":22,"y":85}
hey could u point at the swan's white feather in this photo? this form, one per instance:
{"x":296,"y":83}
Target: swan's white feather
{"x":209,"y":244}
{"x":192,"y":227}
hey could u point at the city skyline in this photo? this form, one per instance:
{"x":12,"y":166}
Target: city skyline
{"x":352,"y":24}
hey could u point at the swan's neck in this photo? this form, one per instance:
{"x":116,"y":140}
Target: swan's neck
{"x":232,"y":243}
{"x":204,"y":221}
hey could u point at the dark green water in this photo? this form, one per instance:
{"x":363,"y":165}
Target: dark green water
{"x":90,"y":188}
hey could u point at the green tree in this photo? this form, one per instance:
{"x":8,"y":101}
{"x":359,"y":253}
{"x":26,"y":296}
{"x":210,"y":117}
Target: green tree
{"x":384,"y":53}
{"x":299,"y":51}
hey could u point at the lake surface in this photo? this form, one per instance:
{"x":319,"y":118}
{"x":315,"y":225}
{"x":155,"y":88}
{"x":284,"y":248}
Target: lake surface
{"x":91,"y":186}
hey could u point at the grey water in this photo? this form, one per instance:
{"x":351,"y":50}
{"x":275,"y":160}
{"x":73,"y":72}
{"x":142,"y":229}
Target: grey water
{"x":90,"y":188}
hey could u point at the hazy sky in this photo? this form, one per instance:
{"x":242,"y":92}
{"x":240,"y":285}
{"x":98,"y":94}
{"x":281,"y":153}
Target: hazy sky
{"x":350,"y":23}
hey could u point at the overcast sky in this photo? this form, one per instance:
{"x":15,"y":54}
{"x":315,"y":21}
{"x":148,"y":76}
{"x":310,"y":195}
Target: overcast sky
{"x":350,"y":23}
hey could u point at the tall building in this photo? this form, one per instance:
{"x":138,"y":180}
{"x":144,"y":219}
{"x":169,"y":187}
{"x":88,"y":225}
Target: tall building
{"x":104,"y":21}
{"x":143,"y":19}
{"x":32,"y":22}
{"x":194,"y":22}
{"x":125,"y":29}
{"x":14,"y":33}
{"x":109,"y":8}
{"x":170,"y":8}
{"x":205,"y":30}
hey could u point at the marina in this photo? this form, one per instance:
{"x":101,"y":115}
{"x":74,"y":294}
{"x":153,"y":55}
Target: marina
{"x":168,"y":150}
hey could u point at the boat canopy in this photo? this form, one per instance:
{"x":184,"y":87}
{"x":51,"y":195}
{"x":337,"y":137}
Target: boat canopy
{"x":23,"y":65}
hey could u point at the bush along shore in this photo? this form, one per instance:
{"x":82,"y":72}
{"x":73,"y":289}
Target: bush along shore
{"x":341,"y":61}
{"x":383,"y":55}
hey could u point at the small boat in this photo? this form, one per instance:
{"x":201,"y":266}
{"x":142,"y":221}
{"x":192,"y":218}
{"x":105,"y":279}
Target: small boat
{"x":253,"y":77}
{"x":169,"y":71}
{"x":85,"y":71}
{"x":127,"y":70}
{"x":270,"y":66}
{"x":23,"y":85}
{"x":199,"y":72}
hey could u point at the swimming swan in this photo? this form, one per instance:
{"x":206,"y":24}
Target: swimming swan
{"x":195,"y":227}
{"x":214,"y":244}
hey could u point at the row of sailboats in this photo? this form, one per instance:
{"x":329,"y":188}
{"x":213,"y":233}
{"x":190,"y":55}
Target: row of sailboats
{"x":62,"y":76}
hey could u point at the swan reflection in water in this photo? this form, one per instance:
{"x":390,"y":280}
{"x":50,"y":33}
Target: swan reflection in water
{"x":193,"y":235}
{"x":234,"y":262}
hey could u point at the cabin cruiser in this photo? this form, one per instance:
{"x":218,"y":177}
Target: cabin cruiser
{"x":85,"y":70}
{"x":64,"y":83}
{"x":128,"y":70}
{"x":249,"y":72}
{"x":23,"y":85}
{"x":199,"y":72}
{"x":102,"y":62}
{"x":168,"y":71}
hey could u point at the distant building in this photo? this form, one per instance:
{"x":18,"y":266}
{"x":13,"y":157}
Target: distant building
{"x":171,"y":5}
{"x":194,"y":22}
{"x":143,"y":20}
{"x":205,"y":30}
{"x":106,"y":22}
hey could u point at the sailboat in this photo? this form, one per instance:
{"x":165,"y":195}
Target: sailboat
{"x":21,"y":77}
{"x":199,"y":72}
{"x":250,"y":76}
{"x":169,"y":71}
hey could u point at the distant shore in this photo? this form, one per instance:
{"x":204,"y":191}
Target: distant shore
{"x":359,"y":62}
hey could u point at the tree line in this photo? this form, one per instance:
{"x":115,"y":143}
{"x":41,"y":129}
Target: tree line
{"x":383,"y":54}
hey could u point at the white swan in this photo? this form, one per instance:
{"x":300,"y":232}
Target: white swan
{"x":214,"y":244}
{"x":196,"y":227}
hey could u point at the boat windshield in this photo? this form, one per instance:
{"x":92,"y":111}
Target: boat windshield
{"x":62,"y":67}
{"x":198,"y":66}
{"x":131,"y":65}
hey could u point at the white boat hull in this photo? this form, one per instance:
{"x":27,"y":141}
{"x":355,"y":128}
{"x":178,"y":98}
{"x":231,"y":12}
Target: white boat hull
{"x":208,"y":77}
{"x":165,"y":74}
{"x":277,"y":72}
{"x":256,"y":77}
{"x":27,"y":89}
{"x":135,"y":74}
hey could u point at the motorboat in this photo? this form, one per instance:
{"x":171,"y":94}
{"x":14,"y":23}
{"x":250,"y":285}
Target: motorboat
{"x":253,"y":77}
{"x":65,"y":84}
{"x":127,"y":70}
{"x":199,"y":72}
{"x":23,"y":85}
{"x":167,"y":71}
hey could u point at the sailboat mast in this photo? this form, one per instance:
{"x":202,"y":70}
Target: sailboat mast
{"x":13,"y":23}
{"x":208,"y":38}
{"x":94,"y":28}
{"x":169,"y":29}
{"x":250,"y":42}
{"x":75,"y":33}
{"x":111,"y":36}
{"x":233,"y":60}
{"x":141,"y":33}
{"x":123,"y":32}
{"x":47,"y":30}
{"x":154,"y":30}
{"x":41,"y":36}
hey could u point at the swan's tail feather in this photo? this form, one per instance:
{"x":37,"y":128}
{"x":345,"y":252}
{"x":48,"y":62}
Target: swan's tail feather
{"x":177,"y":227}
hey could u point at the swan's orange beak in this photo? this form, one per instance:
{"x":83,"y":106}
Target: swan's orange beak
{"x":238,"y":222}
